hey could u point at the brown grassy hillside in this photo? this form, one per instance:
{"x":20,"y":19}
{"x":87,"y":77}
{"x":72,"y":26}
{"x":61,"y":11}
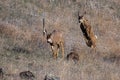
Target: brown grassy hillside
{"x":22,"y":46}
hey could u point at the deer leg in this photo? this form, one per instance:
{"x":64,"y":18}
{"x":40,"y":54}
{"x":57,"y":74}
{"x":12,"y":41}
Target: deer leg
{"x":62,"y":47}
{"x":94,"y":50}
{"x":85,"y":39}
{"x":55,"y":54}
{"x":53,"y":50}
{"x":58,"y":46}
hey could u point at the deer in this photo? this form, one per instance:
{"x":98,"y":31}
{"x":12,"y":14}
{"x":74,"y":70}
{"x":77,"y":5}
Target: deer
{"x":87,"y":31}
{"x":55,"y":39}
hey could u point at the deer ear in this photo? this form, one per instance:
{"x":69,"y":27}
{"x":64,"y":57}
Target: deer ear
{"x":80,"y":17}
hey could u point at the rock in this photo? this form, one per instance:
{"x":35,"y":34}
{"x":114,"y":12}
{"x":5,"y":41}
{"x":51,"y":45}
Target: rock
{"x":27,"y":75}
{"x":1,"y":73}
{"x":51,"y":77}
{"x":74,"y":56}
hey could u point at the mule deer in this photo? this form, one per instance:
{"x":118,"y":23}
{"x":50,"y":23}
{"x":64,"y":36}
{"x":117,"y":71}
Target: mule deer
{"x":88,"y":34}
{"x":55,"y":39}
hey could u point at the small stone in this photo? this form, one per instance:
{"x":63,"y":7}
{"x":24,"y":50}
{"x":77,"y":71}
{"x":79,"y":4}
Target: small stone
{"x":27,"y":75}
{"x":1,"y":73}
{"x":51,"y":77}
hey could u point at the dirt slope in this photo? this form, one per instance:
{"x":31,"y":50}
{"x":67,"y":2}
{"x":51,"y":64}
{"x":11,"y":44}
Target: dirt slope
{"x":22,"y":46}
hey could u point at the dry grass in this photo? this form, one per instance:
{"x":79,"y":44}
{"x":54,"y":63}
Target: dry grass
{"x":23,"y":48}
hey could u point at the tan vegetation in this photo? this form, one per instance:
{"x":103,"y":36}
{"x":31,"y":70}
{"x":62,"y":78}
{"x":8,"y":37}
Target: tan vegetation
{"x":22,"y":47}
